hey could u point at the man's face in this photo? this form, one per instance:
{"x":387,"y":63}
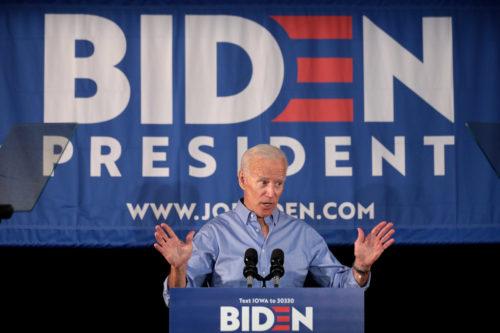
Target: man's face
{"x":263,"y":185}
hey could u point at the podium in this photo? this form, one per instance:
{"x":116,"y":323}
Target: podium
{"x":26,"y":163}
{"x":266,"y":310}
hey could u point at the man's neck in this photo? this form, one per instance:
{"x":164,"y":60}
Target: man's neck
{"x":263,"y":226}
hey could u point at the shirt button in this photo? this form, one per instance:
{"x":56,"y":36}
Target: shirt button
{"x":257,"y":229}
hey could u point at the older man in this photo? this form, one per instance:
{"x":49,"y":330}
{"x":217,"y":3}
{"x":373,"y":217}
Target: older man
{"x":215,"y":254}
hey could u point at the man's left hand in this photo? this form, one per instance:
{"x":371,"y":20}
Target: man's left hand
{"x":367,"y":249}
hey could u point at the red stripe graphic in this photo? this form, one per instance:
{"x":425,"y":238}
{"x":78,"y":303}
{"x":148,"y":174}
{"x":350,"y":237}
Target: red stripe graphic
{"x":316,"y":27}
{"x":281,"y":308}
{"x":324,"y":70}
{"x":282,"y":319}
{"x":317,"y":110}
{"x":281,"y":328}
{"x":319,"y":70}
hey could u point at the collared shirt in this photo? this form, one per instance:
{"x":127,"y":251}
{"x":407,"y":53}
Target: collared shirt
{"x":219,"y":249}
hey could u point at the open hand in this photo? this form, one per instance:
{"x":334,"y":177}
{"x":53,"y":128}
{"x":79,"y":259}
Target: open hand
{"x":174,"y":250}
{"x":367,"y":249}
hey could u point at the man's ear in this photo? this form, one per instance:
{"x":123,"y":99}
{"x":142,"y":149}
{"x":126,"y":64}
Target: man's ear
{"x":241,"y":179}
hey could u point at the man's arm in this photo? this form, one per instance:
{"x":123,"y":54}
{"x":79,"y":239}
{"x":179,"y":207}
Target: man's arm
{"x":175,"y":251}
{"x":177,"y":277}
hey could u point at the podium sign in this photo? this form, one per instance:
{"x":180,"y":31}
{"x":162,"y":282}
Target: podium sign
{"x":266,"y":310}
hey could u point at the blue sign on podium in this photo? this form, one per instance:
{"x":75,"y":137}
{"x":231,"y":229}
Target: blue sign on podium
{"x":266,"y":310}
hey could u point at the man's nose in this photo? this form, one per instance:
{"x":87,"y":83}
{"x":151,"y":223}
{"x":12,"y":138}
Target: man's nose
{"x":270,"y":191}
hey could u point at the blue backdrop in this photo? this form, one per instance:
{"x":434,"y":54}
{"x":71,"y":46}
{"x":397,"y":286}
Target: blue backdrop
{"x":369,"y":101}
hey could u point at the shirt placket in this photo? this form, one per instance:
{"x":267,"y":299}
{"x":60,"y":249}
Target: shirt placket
{"x":261,"y":244}
{"x":264,"y":263}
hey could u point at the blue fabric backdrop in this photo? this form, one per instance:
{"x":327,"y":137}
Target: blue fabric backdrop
{"x":369,"y":101}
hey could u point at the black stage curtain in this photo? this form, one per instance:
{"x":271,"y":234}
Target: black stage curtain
{"x":413,"y":288}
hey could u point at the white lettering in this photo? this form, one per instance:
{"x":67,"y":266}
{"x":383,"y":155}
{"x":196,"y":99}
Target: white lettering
{"x":156,"y":69}
{"x":218,"y":206}
{"x":309,"y":211}
{"x":379,"y":152}
{"x":326,"y":212}
{"x":291,"y":209}
{"x":203,"y":106}
{"x":242,"y":146}
{"x":332,"y":156}
{"x":50,"y":157}
{"x":245,"y":319}
{"x":299,"y":318}
{"x":98,"y":158}
{"x":197,"y":154}
{"x":438,"y":143}
{"x":370,"y":210}
{"x":184,"y":210}
{"x":351,"y":210}
{"x":137,"y":210}
{"x":62,"y":67}
{"x":431,"y":78}
{"x":161,"y":210}
{"x":229,"y":319}
{"x":206,"y":216}
{"x":298,"y":152}
{"x":149,"y":156}
{"x":257,"y":312}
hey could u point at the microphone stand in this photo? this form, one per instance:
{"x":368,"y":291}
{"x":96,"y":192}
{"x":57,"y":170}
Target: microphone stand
{"x":258,"y":277}
{"x":268,"y":277}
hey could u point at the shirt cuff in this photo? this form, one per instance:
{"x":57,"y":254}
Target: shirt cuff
{"x":354,"y":284}
{"x":166,"y":293}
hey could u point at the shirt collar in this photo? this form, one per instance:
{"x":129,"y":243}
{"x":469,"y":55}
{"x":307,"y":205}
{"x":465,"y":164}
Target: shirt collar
{"x":245,"y":214}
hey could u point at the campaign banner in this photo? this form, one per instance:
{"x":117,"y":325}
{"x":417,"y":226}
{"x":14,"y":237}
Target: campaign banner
{"x":369,"y":102}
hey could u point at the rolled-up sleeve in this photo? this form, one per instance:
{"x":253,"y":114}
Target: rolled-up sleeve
{"x":328,"y":271}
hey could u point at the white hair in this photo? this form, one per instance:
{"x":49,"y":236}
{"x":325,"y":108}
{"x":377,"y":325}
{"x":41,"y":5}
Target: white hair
{"x":265,"y":151}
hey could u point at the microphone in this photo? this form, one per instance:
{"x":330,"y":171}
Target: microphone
{"x":250,"y":270}
{"x":277,"y":269}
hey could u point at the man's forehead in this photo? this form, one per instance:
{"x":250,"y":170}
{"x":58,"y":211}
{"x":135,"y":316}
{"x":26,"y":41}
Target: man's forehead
{"x":268,"y":168}
{"x":260,"y":161}
{"x":268,"y":177}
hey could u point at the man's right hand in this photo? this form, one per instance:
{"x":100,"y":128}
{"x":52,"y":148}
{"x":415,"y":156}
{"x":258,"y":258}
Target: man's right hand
{"x":174,"y":250}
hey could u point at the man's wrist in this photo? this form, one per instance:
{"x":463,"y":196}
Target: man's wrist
{"x":180,"y":268}
{"x":361,"y":269}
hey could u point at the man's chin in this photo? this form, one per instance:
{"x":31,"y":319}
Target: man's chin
{"x":265,"y":211}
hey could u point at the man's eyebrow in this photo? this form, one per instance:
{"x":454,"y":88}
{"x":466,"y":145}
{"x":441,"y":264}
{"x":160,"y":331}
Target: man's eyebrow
{"x":268,"y":178}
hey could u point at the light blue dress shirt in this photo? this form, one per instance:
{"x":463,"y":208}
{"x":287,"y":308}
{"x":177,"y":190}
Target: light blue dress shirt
{"x":219,"y":250}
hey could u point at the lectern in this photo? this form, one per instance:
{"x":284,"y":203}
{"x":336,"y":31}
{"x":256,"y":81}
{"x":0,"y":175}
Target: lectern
{"x":266,"y":310}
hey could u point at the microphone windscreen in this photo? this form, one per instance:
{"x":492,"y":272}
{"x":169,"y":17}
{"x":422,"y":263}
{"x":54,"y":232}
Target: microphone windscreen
{"x":277,"y":257}
{"x":251,"y":257}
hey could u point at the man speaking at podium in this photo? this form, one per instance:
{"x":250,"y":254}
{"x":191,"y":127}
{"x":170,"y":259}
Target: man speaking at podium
{"x":216,"y":254}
